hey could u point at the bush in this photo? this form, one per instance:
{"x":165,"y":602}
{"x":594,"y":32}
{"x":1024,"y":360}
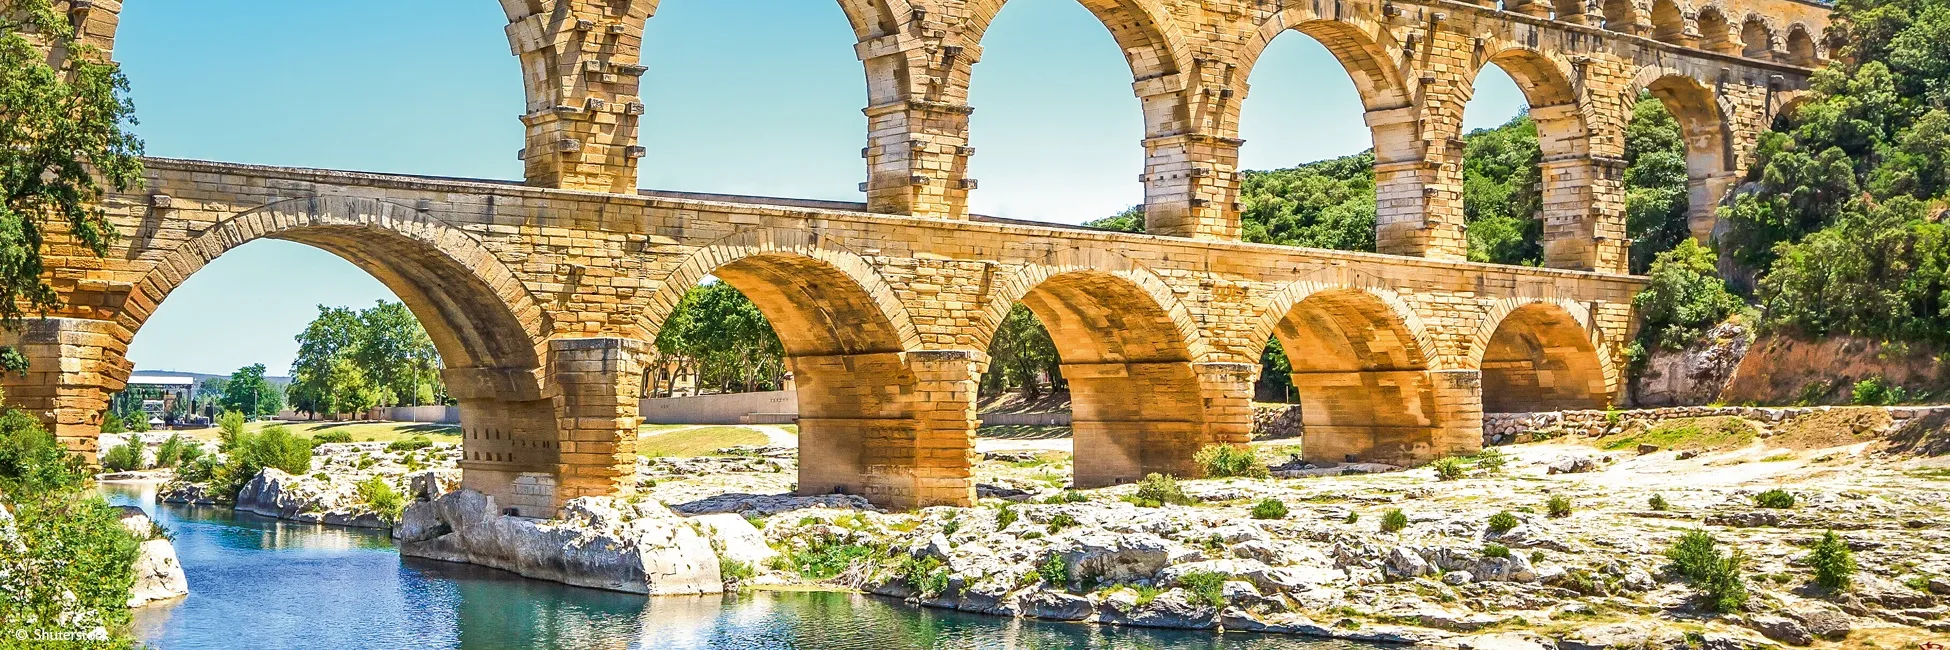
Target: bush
{"x":1269,"y":509}
{"x":1876,"y":391}
{"x":73,"y":565}
{"x":383,"y":499}
{"x":230,"y":427}
{"x":1696,"y":557}
{"x":1352,"y":517}
{"x":1054,"y":571}
{"x":1775,"y":498}
{"x":253,"y":452}
{"x":125,"y":457}
{"x":826,"y":556}
{"x":324,"y":437}
{"x":1005,"y":514}
{"x":1158,"y":490}
{"x":1492,"y":460}
{"x":1503,"y":522}
{"x":1559,"y":506}
{"x":1066,"y":496}
{"x":178,"y":452}
{"x":414,"y":443}
{"x":1449,"y":468}
{"x":1220,"y":461}
{"x":1658,"y":502}
{"x":736,"y":570}
{"x":1834,"y":564}
{"x":1496,"y":550}
{"x":1208,"y":586}
{"x":1394,"y":521}
{"x":1683,"y":297}
{"x":1061,"y":521}
{"x":925,"y":575}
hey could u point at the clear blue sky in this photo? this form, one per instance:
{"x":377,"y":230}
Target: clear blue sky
{"x":752,"y":97}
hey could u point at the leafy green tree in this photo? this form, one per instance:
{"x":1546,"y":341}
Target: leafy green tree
{"x":1685,"y":297}
{"x":248,"y":392}
{"x":63,"y":139}
{"x":721,"y":335}
{"x":396,"y":355}
{"x":352,"y":361}
{"x":73,"y":565}
{"x":1327,"y":204}
{"x":1130,"y":220}
{"x":1501,"y":201}
{"x":1656,"y":196}
{"x":1022,"y":356}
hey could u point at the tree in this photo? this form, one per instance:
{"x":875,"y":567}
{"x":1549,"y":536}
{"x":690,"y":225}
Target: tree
{"x":1684,"y":297}
{"x":1501,"y":198}
{"x":721,"y":335}
{"x":62,"y":136}
{"x":1021,"y":356}
{"x":1656,"y":196}
{"x":248,"y":392}
{"x":352,"y":361}
{"x":395,"y":354}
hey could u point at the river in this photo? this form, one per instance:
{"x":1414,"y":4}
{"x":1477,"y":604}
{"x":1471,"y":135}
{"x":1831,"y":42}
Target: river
{"x":257,"y":582}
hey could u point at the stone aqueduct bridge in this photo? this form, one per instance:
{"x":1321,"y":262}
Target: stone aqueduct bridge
{"x":542,"y":297}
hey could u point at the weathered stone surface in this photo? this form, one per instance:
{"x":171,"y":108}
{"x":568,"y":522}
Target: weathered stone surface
{"x":158,"y":575}
{"x":274,"y":493}
{"x":598,"y":542}
{"x":1781,"y":628}
{"x":735,"y":538}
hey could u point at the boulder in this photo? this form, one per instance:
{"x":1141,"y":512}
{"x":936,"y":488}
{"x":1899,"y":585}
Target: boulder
{"x":1108,"y":558}
{"x":1573,"y":464}
{"x":431,"y":484}
{"x":1615,"y":636}
{"x":597,"y":542}
{"x":735,"y":538}
{"x":1822,"y":619}
{"x":1405,"y":563}
{"x":275,"y":493}
{"x":1055,"y":606}
{"x":1781,"y":628}
{"x":158,"y":574}
{"x":1176,"y":608}
{"x":1505,"y":641}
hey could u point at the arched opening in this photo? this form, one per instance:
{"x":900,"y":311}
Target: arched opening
{"x":1695,"y":112}
{"x":1541,"y":359}
{"x":1054,"y":113}
{"x":1716,"y":32}
{"x":1309,"y":182}
{"x":1668,"y":22}
{"x":1362,"y":378}
{"x":843,"y":350}
{"x":1135,"y":398}
{"x":788,"y":130}
{"x":1517,"y":173}
{"x":473,"y":311}
{"x":1801,"y":47}
{"x":1757,"y":41}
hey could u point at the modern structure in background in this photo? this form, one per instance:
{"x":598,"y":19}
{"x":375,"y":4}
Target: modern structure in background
{"x":543,"y":296}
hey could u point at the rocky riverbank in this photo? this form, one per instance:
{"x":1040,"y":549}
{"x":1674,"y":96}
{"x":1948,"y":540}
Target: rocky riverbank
{"x":1555,"y":543}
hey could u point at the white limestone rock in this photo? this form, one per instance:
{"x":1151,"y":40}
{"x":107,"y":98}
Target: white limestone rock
{"x":158,"y":574}
{"x":597,"y":542}
{"x":735,"y":538}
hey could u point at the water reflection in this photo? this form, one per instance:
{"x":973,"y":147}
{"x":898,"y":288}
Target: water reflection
{"x":262,"y":583}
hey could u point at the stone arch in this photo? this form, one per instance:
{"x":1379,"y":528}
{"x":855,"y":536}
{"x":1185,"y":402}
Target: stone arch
{"x":1756,"y":38}
{"x":1148,"y":34}
{"x":488,"y":328}
{"x":1137,"y":401}
{"x":1669,"y":22}
{"x":1624,"y":16}
{"x":1801,"y":48}
{"x":1365,"y":49}
{"x":847,"y":340}
{"x":1361,"y":363}
{"x":475,"y":310}
{"x":1716,"y":31}
{"x":874,"y":319}
{"x":1542,"y":355}
{"x":1709,"y":140}
{"x":1146,"y":282}
{"x":1567,"y":169}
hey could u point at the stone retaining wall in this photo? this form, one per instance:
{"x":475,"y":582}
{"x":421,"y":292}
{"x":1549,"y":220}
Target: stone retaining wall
{"x":1509,"y":428}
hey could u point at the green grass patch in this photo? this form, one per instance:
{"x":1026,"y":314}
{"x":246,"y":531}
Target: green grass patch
{"x":704,"y":441}
{"x":1687,"y":434}
{"x":355,"y":431}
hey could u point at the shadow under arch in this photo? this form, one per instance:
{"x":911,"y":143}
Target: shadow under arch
{"x":1366,"y":374}
{"x":1540,"y":357}
{"x":1136,"y":397}
{"x":1708,"y":136}
{"x":489,"y":330}
{"x":847,"y":341}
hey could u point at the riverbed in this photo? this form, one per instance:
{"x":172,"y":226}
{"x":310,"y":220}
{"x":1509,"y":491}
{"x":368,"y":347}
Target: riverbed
{"x":257,"y":582}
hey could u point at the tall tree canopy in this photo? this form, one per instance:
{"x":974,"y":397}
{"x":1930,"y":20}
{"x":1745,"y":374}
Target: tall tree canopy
{"x":349,"y":361}
{"x":249,"y":392}
{"x":721,"y":336}
{"x":63,"y":134}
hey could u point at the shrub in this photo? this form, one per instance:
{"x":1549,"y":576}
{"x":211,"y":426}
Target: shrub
{"x":1269,"y":509}
{"x":230,"y":427}
{"x":72,"y":563}
{"x":736,"y":570}
{"x":1066,"y":496}
{"x":1834,"y":564}
{"x":1054,"y":571}
{"x":1496,"y":550}
{"x":178,"y":452}
{"x":826,"y":556}
{"x":112,"y":423}
{"x":383,"y":499}
{"x":1352,"y":517}
{"x":1559,"y":506}
{"x":1658,"y":502}
{"x":1394,"y":521}
{"x":124,"y":457}
{"x":1775,"y":498}
{"x":1220,"y":461}
{"x":1503,"y":522}
{"x":1492,"y":460}
{"x":414,"y":443}
{"x":1683,"y":297}
{"x":250,"y":453}
{"x":1005,"y":514}
{"x":1876,"y":391}
{"x":1208,"y":586}
{"x":1158,"y":490}
{"x":1061,"y":521}
{"x":324,"y":437}
{"x":925,"y":575}
{"x":1697,"y":558}
{"x":1449,"y":468}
